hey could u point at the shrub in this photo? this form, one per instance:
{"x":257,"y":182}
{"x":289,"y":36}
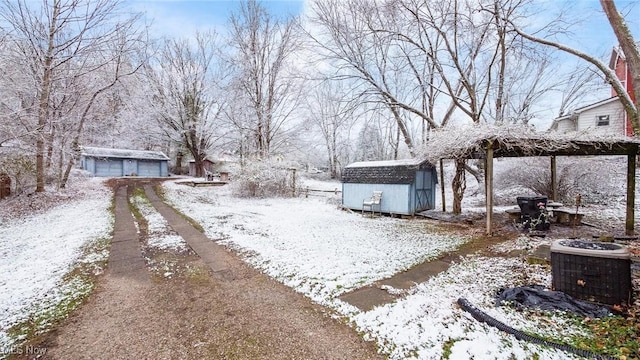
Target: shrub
{"x":261,"y":179}
{"x":598,"y":180}
{"x":21,"y":169}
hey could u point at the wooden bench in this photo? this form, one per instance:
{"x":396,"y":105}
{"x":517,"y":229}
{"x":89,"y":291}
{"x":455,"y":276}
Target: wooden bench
{"x":567,"y":216}
{"x":371,"y":203}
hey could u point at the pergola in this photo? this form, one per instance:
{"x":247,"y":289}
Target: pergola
{"x":487,"y":144}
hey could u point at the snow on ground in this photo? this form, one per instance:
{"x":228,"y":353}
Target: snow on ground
{"x":159,"y":234}
{"x":422,"y":323}
{"x":308,"y":243}
{"x":321,"y":251}
{"x":37,"y":251}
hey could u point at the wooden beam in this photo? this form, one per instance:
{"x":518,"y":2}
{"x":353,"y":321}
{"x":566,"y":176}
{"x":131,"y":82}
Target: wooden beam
{"x":488,"y":178}
{"x":554,"y":179}
{"x":631,"y":193}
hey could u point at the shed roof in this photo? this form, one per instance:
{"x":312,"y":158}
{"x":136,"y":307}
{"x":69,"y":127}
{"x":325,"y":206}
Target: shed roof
{"x":384,"y":172}
{"x":123,"y":153}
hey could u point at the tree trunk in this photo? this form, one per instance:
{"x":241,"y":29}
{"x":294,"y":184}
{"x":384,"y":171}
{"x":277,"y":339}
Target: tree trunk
{"x":50,"y":139}
{"x":60,"y":165}
{"x":442,"y":191}
{"x":43,"y":105}
{"x":178,"y":168}
{"x":334,"y":166}
{"x":478,"y":174}
{"x":459,"y":185}
{"x":631,"y":54}
{"x":403,"y":129}
{"x":396,"y":144}
{"x":199,"y":166}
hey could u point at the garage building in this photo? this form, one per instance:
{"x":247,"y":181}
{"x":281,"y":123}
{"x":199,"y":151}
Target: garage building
{"x":122,"y":162}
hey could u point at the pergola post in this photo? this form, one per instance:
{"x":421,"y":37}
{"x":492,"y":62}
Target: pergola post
{"x":554,"y":179}
{"x":444,"y":203}
{"x":488,"y":176}
{"x":631,"y":191}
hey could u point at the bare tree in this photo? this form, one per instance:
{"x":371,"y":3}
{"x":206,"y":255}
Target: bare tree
{"x":120,"y":64}
{"x":63,"y":39}
{"x":457,"y":39}
{"x":264,"y":45}
{"x":356,"y":39}
{"x":187,"y":93}
{"x":580,"y":83}
{"x":629,"y":48}
{"x":415,"y":56}
{"x":631,"y":52}
{"x":331,"y":111}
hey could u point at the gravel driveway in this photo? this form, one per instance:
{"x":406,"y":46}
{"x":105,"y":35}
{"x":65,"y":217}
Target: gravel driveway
{"x":197,"y":313}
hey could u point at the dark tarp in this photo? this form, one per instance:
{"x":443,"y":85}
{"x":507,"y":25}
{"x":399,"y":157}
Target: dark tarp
{"x":536,"y":297}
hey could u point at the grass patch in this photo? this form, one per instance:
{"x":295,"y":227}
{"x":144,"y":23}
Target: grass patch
{"x":170,"y":266}
{"x":614,"y":336}
{"x":611,"y":335}
{"x":446,"y":348}
{"x":138,"y":192}
{"x":198,"y":274}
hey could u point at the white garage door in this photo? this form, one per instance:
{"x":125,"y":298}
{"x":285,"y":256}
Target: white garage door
{"x":109,"y":168}
{"x":149,"y":168}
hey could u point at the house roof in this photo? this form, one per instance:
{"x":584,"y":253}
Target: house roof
{"x":596,"y":104}
{"x":123,"y":153}
{"x":616,"y":53}
{"x":384,"y":172}
{"x":579,"y":110}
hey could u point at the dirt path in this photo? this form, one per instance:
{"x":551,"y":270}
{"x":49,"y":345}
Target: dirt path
{"x":233,"y":312}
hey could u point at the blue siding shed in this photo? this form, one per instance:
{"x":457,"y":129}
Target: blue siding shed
{"x":122,"y":162}
{"x":408,"y":186}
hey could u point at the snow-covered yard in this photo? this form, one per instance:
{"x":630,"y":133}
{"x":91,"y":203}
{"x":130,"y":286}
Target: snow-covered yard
{"x":38,"y":251}
{"x":308,"y":244}
{"x":322,"y":252}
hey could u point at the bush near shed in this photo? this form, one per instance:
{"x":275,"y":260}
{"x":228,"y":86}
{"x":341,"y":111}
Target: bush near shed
{"x":263,"y":180}
{"x":598,"y":180}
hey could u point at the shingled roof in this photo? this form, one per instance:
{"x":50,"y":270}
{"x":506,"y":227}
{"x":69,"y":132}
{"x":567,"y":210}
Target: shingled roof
{"x":123,"y":153}
{"x":384,"y":172}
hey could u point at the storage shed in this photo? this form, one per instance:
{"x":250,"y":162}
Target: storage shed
{"x":121,"y":162}
{"x":408,"y":186}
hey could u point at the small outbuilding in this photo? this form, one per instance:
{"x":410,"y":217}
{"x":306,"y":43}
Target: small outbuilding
{"x":408,"y":186}
{"x":122,"y":162}
{"x":207,"y":164}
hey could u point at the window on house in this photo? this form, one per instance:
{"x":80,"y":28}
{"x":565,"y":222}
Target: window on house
{"x":602,"y":120}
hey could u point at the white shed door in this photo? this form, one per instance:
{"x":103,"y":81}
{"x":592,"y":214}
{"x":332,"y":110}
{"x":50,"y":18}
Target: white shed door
{"x":149,"y":168}
{"x":109,"y":168}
